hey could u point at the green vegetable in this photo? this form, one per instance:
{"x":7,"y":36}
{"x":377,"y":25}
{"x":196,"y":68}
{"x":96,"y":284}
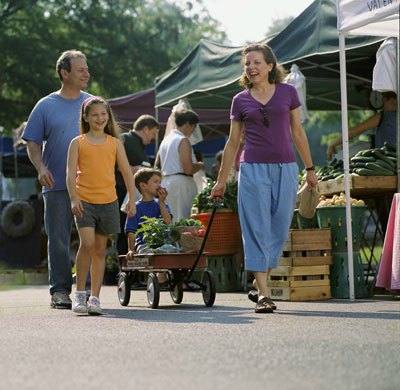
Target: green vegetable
{"x":379,"y":155}
{"x":156,"y":232}
{"x":203,"y":202}
{"x":379,"y":169}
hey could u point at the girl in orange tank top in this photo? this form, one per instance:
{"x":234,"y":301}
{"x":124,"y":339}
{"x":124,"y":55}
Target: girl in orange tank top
{"x":91,"y":186}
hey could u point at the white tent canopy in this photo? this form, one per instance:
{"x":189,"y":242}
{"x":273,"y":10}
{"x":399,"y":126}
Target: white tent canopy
{"x":374,"y":17}
{"x":360,"y":17}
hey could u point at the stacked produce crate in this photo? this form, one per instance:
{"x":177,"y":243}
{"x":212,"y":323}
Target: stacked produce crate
{"x":331,"y":213}
{"x":303,"y":272}
{"x":223,"y":249}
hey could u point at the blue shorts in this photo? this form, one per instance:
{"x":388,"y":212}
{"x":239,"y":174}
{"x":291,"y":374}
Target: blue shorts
{"x":266,"y":197}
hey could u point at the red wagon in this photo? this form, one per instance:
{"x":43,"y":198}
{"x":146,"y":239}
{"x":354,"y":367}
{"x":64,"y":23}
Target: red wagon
{"x":179,"y":268}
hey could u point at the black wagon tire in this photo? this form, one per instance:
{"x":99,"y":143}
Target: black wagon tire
{"x":153,"y":291}
{"x":209,"y":288}
{"x":124,"y":288}
{"x":177,"y":293}
{"x":18,"y":219}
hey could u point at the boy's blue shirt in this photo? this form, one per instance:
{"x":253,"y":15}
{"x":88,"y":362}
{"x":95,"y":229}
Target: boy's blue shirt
{"x":150,"y":209}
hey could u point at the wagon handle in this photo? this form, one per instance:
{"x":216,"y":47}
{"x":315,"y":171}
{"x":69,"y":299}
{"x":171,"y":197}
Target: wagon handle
{"x":214,"y":210}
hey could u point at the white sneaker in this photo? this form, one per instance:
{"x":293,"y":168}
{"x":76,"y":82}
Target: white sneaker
{"x":79,"y":304}
{"x":94,"y":306}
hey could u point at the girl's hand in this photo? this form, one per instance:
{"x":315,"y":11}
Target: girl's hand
{"x":129,"y":255}
{"x":218,"y":191}
{"x":130,"y":208}
{"x":77,"y":208}
{"x":312,"y":179}
{"x":162,"y":194}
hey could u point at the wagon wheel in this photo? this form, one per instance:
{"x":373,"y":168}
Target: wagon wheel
{"x":153,"y":291}
{"x":208,"y":288}
{"x":177,"y":291}
{"x":124,"y":288}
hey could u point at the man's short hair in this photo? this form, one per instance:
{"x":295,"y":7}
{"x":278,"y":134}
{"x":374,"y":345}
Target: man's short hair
{"x":143,"y":175}
{"x":145,"y":120}
{"x":64,"y":61}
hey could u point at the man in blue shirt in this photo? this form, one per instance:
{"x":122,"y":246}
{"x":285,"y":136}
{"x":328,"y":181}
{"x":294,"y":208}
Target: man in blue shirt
{"x":52,"y":124}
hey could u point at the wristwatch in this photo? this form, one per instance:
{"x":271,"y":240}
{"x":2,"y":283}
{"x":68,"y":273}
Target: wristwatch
{"x":312,"y":168}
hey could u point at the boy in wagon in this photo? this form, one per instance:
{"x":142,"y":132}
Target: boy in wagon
{"x":151,"y":204}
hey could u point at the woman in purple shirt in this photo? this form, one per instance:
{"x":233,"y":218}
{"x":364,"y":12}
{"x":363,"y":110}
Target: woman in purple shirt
{"x":268,"y":110}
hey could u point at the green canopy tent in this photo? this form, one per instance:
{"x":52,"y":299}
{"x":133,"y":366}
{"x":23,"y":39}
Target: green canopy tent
{"x":208,"y":76}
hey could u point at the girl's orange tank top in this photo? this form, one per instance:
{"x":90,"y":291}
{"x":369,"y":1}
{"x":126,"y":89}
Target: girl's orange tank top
{"x":95,"y":182}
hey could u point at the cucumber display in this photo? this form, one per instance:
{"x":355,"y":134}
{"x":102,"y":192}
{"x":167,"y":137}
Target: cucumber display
{"x":375,"y":162}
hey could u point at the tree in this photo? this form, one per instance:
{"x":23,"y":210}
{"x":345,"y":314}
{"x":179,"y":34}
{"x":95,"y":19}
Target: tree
{"x":127,"y":42}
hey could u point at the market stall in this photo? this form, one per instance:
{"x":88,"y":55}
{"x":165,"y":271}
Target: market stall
{"x":360,"y":18}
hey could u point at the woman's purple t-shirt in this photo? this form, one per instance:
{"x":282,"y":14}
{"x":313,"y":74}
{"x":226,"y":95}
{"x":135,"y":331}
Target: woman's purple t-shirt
{"x":267,"y":144}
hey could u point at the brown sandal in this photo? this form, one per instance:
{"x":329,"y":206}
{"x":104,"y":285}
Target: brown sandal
{"x":253,"y":296}
{"x":263,"y":306}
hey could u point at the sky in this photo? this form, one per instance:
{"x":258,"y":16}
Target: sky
{"x":249,"y":20}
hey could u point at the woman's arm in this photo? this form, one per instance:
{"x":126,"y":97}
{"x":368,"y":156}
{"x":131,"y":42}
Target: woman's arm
{"x":157,"y":162}
{"x":185,"y":154}
{"x":72,"y":167}
{"x":301,"y":142}
{"x":124,"y":167}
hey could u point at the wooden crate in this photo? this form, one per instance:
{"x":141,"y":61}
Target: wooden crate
{"x":300,"y":283}
{"x":307,"y":247}
{"x":300,"y":294}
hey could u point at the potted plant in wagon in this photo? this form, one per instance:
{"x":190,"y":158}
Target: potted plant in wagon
{"x":225,"y":234}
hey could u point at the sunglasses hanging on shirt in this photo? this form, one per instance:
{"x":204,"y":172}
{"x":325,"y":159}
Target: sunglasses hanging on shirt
{"x":264,"y":112}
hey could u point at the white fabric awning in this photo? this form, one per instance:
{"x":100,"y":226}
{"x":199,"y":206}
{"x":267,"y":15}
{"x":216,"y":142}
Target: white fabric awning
{"x":374,"y":17}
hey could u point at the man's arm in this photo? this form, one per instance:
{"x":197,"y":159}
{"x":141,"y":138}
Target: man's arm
{"x":35,"y":155}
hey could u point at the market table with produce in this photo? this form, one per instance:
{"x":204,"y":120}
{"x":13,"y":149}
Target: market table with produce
{"x":373,"y":178}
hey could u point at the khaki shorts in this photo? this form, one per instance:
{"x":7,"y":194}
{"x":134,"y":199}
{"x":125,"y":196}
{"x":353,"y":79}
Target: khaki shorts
{"x":104,"y":218}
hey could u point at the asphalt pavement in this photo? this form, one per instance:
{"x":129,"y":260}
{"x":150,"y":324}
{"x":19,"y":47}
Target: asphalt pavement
{"x":336,"y":344}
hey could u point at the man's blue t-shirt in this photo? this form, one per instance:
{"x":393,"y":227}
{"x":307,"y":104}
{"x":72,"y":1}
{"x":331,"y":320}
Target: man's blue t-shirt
{"x":53,"y":123}
{"x":149,"y":209}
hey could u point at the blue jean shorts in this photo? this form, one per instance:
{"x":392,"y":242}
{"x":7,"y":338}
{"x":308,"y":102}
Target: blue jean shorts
{"x":266,"y":199}
{"x":104,"y":218}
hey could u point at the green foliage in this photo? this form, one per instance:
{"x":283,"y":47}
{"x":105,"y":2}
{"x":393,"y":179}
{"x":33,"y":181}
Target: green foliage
{"x":203,"y":202}
{"x":188,"y":222}
{"x":155,"y":232}
{"x":127,"y":42}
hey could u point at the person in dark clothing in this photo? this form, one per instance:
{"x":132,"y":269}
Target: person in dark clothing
{"x":144,"y":131}
{"x":384,"y":121}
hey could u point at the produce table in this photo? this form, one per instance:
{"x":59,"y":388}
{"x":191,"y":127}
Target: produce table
{"x":378,"y":192}
{"x":360,"y":186}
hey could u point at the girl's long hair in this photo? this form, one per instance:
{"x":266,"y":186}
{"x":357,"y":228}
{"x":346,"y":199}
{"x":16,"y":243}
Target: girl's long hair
{"x":277,"y":73}
{"x":112,"y":128}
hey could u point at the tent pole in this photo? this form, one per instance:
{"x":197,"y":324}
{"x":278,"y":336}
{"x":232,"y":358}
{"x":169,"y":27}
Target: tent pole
{"x":345,"y":141}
